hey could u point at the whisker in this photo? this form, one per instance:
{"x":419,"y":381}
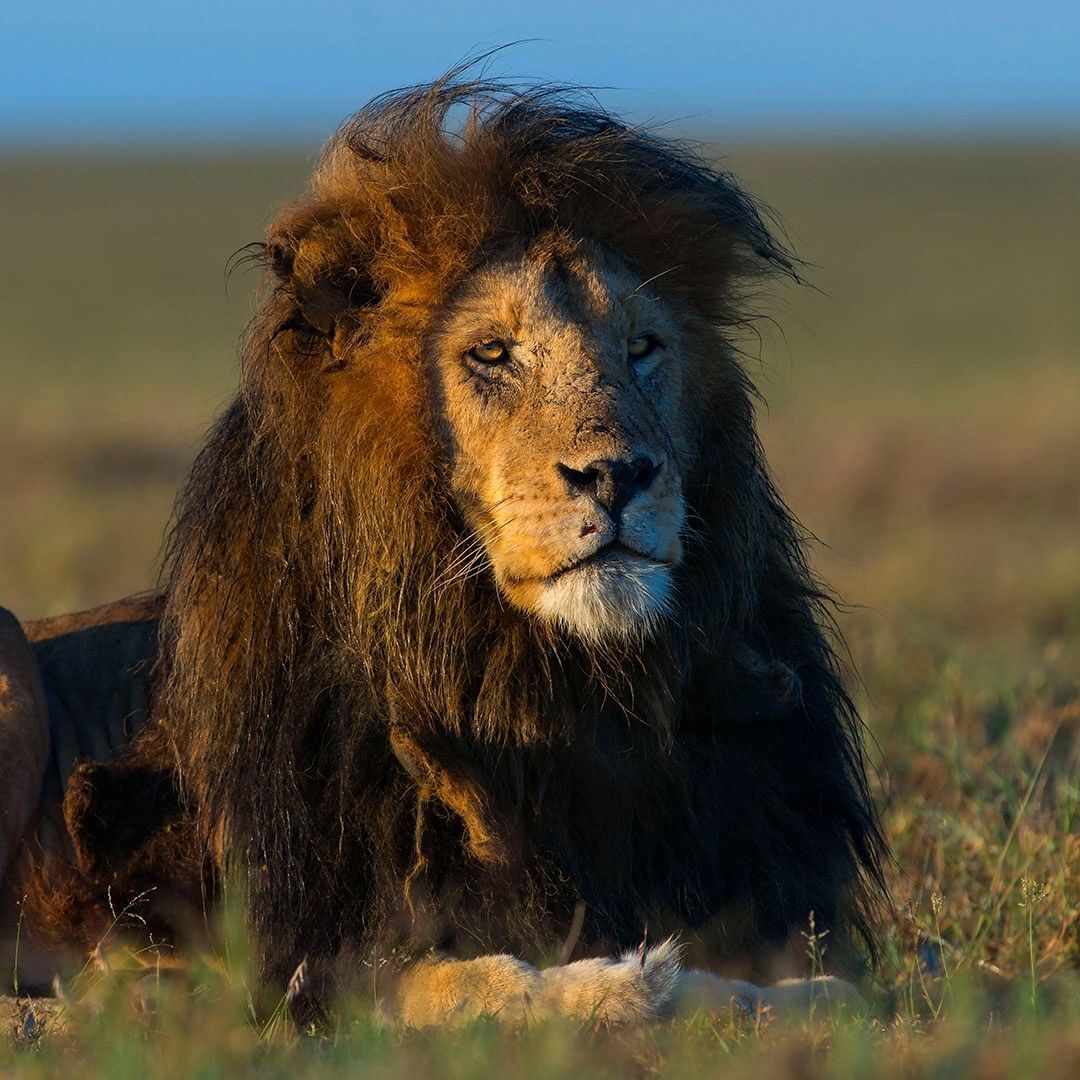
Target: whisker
{"x":467,"y":558}
{"x":647,"y":281}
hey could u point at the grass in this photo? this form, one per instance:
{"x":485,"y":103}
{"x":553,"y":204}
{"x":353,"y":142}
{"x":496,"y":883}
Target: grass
{"x":922,"y":419}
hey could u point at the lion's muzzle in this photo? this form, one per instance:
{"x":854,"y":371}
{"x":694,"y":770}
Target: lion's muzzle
{"x":611,"y":483}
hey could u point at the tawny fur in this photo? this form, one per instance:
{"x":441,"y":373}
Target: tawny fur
{"x":392,"y":760}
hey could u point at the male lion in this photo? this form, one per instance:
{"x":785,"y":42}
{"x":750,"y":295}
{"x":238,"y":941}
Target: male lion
{"x":482,"y":618}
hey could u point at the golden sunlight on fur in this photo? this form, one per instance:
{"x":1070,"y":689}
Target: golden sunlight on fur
{"x":566,"y":453}
{"x":481,"y":618}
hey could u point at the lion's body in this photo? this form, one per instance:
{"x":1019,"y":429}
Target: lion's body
{"x":93,"y":668}
{"x":473,"y":619}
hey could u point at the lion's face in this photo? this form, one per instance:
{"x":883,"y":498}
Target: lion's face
{"x":557,"y":390}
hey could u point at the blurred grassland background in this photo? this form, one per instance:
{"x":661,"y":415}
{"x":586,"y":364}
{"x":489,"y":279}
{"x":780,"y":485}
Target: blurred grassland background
{"x":922,"y":416}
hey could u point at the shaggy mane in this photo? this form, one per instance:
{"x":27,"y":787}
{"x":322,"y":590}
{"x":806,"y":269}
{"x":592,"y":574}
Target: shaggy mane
{"x":389,"y":755}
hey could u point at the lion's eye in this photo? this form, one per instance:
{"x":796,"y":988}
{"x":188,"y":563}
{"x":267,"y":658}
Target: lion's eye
{"x":490,"y":352}
{"x":639,"y":347}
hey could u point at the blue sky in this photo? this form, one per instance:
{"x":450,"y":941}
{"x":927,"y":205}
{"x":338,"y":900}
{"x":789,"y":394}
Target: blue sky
{"x":158,"y":71}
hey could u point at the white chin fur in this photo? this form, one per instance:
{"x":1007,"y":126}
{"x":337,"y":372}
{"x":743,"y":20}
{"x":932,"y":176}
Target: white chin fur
{"x":616,"y":599}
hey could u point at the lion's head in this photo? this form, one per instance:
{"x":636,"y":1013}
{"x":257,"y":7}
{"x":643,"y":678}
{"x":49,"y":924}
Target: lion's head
{"x":557,"y":391}
{"x":484,"y":568}
{"x":551,"y":293}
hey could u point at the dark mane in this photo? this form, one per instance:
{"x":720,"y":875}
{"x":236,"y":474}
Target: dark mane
{"x":388,"y":755}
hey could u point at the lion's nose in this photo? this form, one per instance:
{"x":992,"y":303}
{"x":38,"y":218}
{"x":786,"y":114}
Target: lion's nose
{"x":611,"y":483}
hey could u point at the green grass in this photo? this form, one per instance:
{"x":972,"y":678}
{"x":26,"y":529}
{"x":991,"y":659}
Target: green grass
{"x":922,"y":419}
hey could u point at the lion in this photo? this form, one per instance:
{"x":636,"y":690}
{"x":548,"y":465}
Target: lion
{"x":484,"y":637}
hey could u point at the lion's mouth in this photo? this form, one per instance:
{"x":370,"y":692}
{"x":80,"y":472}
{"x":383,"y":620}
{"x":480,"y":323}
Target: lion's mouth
{"x":613,"y":554}
{"x":613,"y":591}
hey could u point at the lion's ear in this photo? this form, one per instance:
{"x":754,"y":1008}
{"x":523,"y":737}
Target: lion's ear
{"x":323,"y":263}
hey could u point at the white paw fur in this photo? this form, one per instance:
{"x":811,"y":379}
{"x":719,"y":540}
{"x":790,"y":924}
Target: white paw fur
{"x":622,"y":990}
{"x":626,"y":990}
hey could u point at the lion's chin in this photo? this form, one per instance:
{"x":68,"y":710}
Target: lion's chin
{"x":618,"y":597}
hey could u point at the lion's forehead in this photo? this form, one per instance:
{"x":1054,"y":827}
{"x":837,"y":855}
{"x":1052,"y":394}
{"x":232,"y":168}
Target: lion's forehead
{"x":566,"y":305}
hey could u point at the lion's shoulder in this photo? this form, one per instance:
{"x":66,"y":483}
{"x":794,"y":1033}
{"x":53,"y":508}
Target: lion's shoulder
{"x":146,"y":607}
{"x":96,"y":669}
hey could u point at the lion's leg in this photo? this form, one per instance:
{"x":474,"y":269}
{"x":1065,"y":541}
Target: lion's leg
{"x":24,"y":735}
{"x":703,"y":992}
{"x":792,"y":997}
{"x":438,"y":991}
{"x":623,"y":990}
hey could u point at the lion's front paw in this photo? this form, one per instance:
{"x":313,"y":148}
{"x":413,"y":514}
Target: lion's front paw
{"x":794,"y":998}
{"x":791,"y":999}
{"x":623,"y":990}
{"x":458,"y":991}
{"x":701,"y":992}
